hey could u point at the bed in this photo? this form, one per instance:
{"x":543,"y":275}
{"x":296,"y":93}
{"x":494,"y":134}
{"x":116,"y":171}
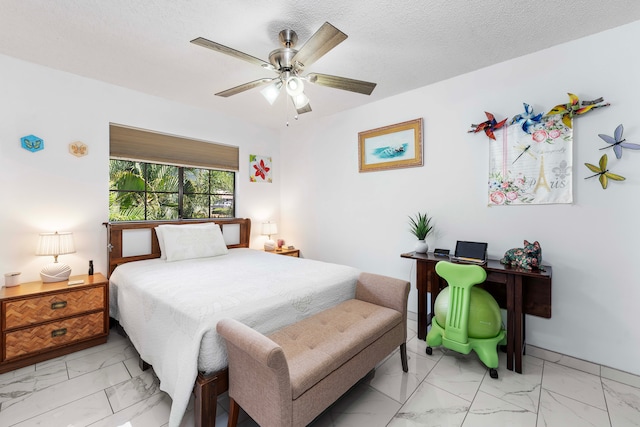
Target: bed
{"x":168,"y":302}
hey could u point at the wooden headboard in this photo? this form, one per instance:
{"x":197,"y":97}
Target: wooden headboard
{"x":115,"y":240}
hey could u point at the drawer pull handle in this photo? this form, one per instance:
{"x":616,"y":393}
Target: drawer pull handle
{"x":57,"y":305}
{"x":58,"y":332}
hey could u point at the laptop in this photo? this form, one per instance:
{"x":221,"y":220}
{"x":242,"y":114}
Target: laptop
{"x":470,"y":252}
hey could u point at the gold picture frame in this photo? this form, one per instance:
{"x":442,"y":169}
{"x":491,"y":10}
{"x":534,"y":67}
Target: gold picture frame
{"x":391,"y":147}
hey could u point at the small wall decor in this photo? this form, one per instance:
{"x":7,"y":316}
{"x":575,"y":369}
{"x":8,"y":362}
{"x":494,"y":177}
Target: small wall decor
{"x":526,"y":119}
{"x":488,"y":126}
{"x":617,"y":142}
{"x":259,"y":168}
{"x":78,"y":149}
{"x":575,"y":108}
{"x":391,"y":147}
{"x":32,"y":143}
{"x":603,"y":173}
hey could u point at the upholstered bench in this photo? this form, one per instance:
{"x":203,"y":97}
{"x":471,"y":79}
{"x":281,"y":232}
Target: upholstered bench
{"x":289,"y":377}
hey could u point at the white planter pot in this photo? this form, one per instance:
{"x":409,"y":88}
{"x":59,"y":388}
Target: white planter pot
{"x":421,"y":247}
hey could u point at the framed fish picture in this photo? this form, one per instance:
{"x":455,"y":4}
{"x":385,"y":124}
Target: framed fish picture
{"x":391,"y":147}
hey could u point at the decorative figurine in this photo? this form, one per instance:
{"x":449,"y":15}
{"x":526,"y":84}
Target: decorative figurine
{"x":529,"y":257}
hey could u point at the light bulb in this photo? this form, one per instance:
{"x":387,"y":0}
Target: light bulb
{"x":295,"y":86}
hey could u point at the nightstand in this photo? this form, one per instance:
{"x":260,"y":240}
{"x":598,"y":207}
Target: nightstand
{"x":287,"y":252}
{"x":40,"y":321}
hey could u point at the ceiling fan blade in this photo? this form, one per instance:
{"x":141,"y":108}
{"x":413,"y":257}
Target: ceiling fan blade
{"x":238,"y":89}
{"x":304,"y":109}
{"x":342,"y":83}
{"x":322,"y":41}
{"x":200,"y":41}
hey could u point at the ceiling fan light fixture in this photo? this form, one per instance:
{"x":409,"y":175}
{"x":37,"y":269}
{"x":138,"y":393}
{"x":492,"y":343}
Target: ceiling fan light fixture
{"x":300,"y":100}
{"x":294,"y":86}
{"x":272,"y":91}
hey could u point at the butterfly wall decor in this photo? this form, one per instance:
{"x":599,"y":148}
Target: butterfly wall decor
{"x":488,"y":126}
{"x":78,"y":149}
{"x":32,"y":143}
{"x":603,"y":173}
{"x":617,"y":142}
{"x":575,"y":108}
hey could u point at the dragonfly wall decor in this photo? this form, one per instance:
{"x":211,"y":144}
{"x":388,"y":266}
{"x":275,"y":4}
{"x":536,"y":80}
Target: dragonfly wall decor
{"x":603,"y":173}
{"x":617,"y":142}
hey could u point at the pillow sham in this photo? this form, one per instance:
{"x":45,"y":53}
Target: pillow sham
{"x":190,"y":241}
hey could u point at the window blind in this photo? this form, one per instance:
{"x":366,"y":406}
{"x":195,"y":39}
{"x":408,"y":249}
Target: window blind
{"x":138,"y":144}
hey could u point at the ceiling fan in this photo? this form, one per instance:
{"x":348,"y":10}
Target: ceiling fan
{"x":289,"y":64}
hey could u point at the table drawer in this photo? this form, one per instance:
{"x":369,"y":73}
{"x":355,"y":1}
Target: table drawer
{"x":30,"y":311}
{"x":54,"y":334}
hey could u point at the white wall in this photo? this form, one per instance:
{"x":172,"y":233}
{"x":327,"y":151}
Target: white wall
{"x":52,"y":190}
{"x":333,"y":213}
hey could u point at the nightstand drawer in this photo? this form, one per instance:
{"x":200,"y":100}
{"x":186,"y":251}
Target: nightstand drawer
{"x":294,"y":253}
{"x":30,"y":311}
{"x":54,"y":334}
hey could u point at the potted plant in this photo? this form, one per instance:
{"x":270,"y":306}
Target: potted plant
{"x":421,"y":227}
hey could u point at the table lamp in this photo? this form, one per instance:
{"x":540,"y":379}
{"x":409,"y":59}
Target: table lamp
{"x":269,"y":228}
{"x":55,"y":244}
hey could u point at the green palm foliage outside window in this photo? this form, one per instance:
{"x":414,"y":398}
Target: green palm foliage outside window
{"x":141,"y":191}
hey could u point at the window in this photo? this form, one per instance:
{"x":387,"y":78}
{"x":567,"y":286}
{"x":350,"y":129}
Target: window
{"x":141,"y":191}
{"x":146,"y":181}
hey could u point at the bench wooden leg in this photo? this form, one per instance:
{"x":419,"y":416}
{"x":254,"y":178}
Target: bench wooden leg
{"x":403,"y":355}
{"x":234,"y":410}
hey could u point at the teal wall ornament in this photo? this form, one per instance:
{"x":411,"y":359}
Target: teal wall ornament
{"x":32,"y":143}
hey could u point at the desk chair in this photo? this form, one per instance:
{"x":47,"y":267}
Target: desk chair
{"x":454,"y":330}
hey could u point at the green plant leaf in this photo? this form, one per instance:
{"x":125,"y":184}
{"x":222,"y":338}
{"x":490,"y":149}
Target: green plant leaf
{"x":420,"y":225}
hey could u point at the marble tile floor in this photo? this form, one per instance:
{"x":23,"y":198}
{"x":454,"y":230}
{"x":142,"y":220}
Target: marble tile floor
{"x":103,"y":387}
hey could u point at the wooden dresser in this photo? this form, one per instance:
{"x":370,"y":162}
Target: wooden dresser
{"x":40,"y":321}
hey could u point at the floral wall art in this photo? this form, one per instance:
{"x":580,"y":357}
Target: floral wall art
{"x":531,"y":168}
{"x":530,"y":156}
{"x":260,"y":168}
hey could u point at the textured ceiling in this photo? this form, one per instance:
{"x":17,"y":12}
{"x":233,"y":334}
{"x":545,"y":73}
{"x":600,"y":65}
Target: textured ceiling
{"x":402,"y":45}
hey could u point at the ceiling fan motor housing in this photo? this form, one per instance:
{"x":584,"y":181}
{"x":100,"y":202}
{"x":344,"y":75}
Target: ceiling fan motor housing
{"x":281,"y":58}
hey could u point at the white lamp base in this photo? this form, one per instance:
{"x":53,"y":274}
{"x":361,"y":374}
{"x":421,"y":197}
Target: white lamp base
{"x":269,"y":245}
{"x":55,"y":272}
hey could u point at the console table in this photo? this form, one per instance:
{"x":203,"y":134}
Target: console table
{"x":519,"y":291}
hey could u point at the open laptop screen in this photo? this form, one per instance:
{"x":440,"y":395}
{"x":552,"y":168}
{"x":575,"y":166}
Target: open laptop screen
{"x":472,"y":250}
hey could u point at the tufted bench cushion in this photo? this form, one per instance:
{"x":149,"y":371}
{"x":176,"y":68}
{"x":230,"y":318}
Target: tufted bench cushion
{"x":322,"y":343}
{"x":288,"y":378}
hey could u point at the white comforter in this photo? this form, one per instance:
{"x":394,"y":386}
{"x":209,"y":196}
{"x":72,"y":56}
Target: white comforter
{"x":170,"y":309}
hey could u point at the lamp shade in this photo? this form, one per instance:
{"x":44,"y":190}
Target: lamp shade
{"x":272,"y":91}
{"x":55,"y":244}
{"x":300,"y":101}
{"x":269,"y":228}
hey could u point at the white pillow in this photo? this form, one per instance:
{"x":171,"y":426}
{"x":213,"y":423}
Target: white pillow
{"x":189,"y":240}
